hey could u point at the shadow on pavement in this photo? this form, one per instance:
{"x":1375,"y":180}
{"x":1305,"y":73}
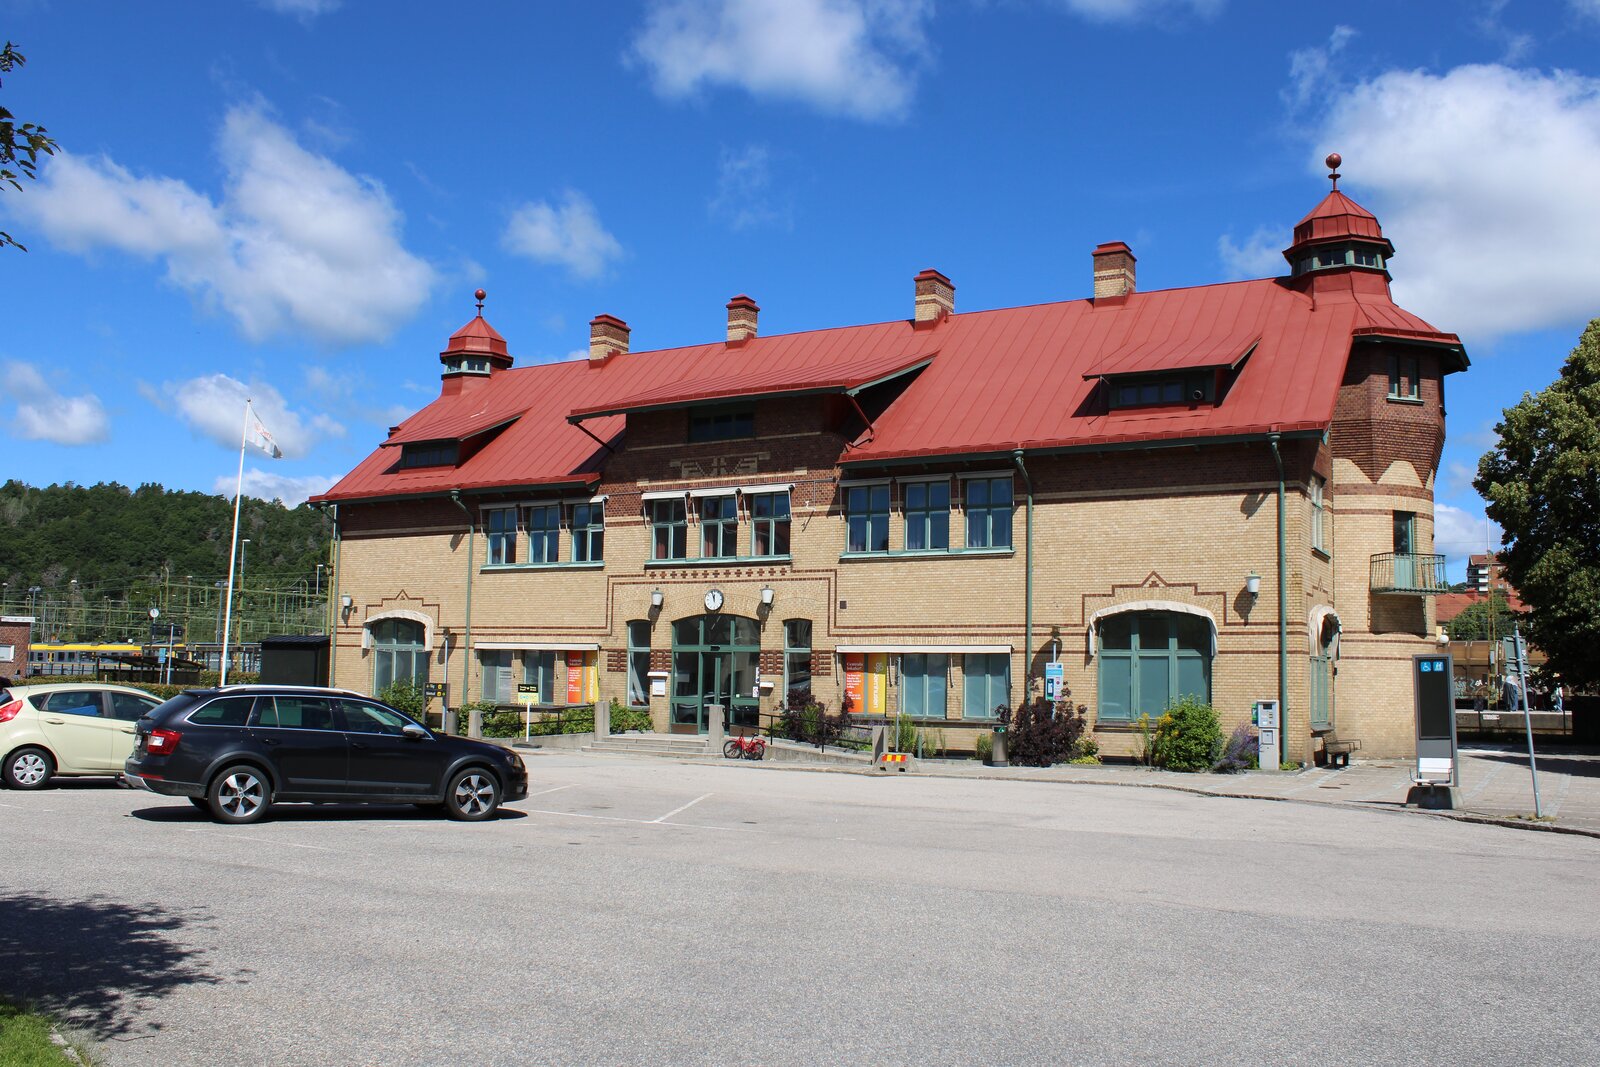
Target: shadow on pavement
{"x":186,"y":813}
{"x":1577,"y":766}
{"x":96,"y":962}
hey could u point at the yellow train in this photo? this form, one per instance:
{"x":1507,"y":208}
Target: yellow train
{"x":76,"y":658}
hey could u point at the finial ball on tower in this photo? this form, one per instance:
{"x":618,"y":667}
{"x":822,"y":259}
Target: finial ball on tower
{"x":1333,"y":161}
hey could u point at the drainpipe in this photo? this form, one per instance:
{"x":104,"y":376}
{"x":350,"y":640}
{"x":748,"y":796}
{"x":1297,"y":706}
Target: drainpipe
{"x":466,"y":637}
{"x":1283,"y":613}
{"x":1027,"y":597}
{"x":333,"y":601}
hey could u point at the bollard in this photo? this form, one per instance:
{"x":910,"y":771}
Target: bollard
{"x":714,"y":728}
{"x":998,"y":757}
{"x":448,"y":723}
{"x":602,"y":720}
{"x":475,"y":722}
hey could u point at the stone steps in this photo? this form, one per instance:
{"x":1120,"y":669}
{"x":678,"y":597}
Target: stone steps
{"x":648,"y":745}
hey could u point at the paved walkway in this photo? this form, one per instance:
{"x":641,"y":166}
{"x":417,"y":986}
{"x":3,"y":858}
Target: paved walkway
{"x":1495,"y":784}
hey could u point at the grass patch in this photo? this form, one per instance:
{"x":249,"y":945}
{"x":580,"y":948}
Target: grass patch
{"x":25,"y":1041}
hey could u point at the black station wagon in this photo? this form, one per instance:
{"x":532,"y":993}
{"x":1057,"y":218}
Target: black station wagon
{"x":237,"y":750}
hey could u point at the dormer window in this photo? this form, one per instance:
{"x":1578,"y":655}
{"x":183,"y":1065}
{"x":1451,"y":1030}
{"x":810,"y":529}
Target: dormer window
{"x":1340,"y":256}
{"x":467,"y":365}
{"x":1162,"y":389}
{"x":429,"y":454}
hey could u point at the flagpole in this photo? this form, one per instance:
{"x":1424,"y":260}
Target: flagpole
{"x":233,"y":545}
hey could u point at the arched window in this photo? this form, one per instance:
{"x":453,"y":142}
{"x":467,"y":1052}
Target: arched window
{"x":1149,"y":660}
{"x":399,"y":653}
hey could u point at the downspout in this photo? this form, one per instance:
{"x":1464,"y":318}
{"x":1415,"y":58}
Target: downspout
{"x":1027,"y":596}
{"x":1283,"y":613}
{"x":334,"y":601}
{"x":466,"y":638}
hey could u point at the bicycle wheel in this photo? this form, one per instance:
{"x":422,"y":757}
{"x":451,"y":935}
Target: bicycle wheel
{"x":757,"y":749}
{"x":730,"y":748}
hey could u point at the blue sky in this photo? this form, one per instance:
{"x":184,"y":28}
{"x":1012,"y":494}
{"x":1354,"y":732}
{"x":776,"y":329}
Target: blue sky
{"x":294,"y":199}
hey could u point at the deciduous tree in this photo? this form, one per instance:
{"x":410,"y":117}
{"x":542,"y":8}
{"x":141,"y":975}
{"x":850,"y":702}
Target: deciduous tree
{"x":20,"y":144}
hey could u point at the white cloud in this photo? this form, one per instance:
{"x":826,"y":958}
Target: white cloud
{"x":295,"y":244}
{"x":1484,"y":178}
{"x":1310,"y":69}
{"x":304,"y":10}
{"x":1261,"y":256}
{"x":848,"y":57}
{"x":1135,"y":10}
{"x":1458,"y":532}
{"x":264,"y":485}
{"x":744,"y":199}
{"x":568,"y":234}
{"x":45,"y":415}
{"x":213,"y":405}
{"x":1590,"y":8}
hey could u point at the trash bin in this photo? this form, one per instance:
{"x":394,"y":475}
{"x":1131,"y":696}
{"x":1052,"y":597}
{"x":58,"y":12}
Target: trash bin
{"x":997,"y":755}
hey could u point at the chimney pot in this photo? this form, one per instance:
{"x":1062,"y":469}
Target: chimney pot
{"x":936,"y":297}
{"x":1113,"y":271}
{"x":608,"y":336}
{"x":742,"y":312}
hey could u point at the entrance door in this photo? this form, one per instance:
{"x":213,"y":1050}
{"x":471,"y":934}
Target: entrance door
{"x":714,"y":661}
{"x":1405,"y":547}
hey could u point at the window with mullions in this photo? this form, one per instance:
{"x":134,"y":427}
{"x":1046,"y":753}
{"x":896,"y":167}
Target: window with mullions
{"x":501,"y":524}
{"x":1319,"y":516}
{"x":769,"y":524}
{"x":1151,"y":660}
{"x":639,"y":664}
{"x":1403,"y":384}
{"x":923,"y":683}
{"x":539,"y":671}
{"x":398,"y":654}
{"x":927,"y":509}
{"x":721,"y":424}
{"x":497,"y":687}
{"x":719,"y":526}
{"x":986,"y":685}
{"x":988,"y":512}
{"x":796,"y":655}
{"x":427,"y":454}
{"x":589,"y":532}
{"x":544,"y":534}
{"x":866,"y":510}
{"x":669,"y":529}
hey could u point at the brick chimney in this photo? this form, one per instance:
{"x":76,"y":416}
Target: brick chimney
{"x":1113,"y":271}
{"x":936,"y":297}
{"x":742,"y":312}
{"x":608,"y":336}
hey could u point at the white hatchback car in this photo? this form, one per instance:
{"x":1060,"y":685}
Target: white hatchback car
{"x":74,"y":728}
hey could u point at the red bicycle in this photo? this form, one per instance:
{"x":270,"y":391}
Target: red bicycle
{"x":748,"y":747}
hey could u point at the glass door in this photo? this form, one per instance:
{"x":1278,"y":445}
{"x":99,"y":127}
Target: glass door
{"x":1405,"y":547}
{"x":714,"y":661}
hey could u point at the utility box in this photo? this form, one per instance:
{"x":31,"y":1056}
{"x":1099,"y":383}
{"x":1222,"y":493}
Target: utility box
{"x":294,"y":660}
{"x":1437,"y":773}
{"x":1264,"y":713}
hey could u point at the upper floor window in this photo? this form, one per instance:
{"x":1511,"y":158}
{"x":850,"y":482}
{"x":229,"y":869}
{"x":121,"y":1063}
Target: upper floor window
{"x":589,"y":532}
{"x":721,"y":424}
{"x":927,"y":510}
{"x":989,"y":512}
{"x":866,"y":509}
{"x":1403,"y":375}
{"x":1147,"y":391}
{"x":1368,"y":258}
{"x":1319,"y":516}
{"x":501,"y":525}
{"x":428,"y":454}
{"x":719,"y":526}
{"x":669,"y":529}
{"x":544,"y":533}
{"x":769,"y":522}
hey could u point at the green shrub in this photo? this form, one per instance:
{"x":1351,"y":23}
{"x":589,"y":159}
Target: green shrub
{"x":905,"y":734}
{"x":1085,"y":760}
{"x":625,"y":719}
{"x":1187,"y":737}
{"x":930,"y":743}
{"x":408,"y":696}
{"x":985,"y":746}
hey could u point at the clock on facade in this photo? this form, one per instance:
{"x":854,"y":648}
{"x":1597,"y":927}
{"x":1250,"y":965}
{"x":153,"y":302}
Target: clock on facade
{"x":714,"y":600}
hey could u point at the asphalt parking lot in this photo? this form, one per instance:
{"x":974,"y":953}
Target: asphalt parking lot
{"x":637,"y":911}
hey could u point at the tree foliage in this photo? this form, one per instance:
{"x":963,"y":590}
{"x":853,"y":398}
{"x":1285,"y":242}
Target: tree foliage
{"x":1542,"y":481}
{"x":20,"y":143}
{"x":1472,"y":624}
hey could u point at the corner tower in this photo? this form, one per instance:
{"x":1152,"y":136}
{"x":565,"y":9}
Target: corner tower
{"x":1339,"y":239}
{"x":474,"y":353}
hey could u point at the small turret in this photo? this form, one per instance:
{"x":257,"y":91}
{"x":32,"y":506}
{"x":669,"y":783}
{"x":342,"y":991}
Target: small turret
{"x":1338,"y":235}
{"x":475,"y":351}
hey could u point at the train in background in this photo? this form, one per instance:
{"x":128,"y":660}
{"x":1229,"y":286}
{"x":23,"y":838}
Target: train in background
{"x":87,"y":658}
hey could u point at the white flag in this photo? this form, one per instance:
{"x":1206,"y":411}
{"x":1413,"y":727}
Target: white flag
{"x":260,"y":438}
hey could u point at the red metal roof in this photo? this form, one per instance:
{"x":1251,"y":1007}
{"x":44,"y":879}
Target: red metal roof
{"x":994,"y":381}
{"x":477,"y":336}
{"x":1337,"y":218}
{"x":1151,"y":354}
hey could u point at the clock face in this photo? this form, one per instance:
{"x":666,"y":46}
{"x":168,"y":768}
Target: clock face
{"x":714,"y":600}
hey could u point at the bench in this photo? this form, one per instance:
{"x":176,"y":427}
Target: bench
{"x":1336,"y":750}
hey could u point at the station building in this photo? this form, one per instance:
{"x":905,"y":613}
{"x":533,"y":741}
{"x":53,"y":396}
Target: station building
{"x":1224,"y":490}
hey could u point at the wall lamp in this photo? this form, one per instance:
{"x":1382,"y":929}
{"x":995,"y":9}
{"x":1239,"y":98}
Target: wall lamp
{"x":766,"y":596}
{"x":1252,"y":584}
{"x":347,"y":601}
{"x":656,"y":598}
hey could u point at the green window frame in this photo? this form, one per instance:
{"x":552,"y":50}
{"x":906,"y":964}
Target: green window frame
{"x":1150,"y":660}
{"x":866,"y":510}
{"x":1319,"y":515}
{"x":495,"y":685}
{"x":924,"y":684}
{"x":796,"y":655}
{"x":769,"y":524}
{"x":989,"y":506}
{"x":589,"y":532}
{"x":539,"y":671}
{"x":927,"y":515}
{"x":669,"y":529}
{"x":544,"y":533}
{"x":985,"y":684}
{"x":398,"y":653}
{"x":501,"y":525}
{"x":639,"y":664}
{"x":719,"y":526}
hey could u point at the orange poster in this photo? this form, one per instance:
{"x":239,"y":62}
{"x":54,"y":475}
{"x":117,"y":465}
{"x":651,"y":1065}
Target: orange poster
{"x":574,"y":677}
{"x":855,"y":664}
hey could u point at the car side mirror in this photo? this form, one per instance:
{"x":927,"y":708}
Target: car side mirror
{"x":414,"y":732}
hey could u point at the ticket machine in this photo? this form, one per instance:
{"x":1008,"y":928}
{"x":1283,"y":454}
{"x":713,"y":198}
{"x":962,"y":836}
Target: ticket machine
{"x":1437,"y":772}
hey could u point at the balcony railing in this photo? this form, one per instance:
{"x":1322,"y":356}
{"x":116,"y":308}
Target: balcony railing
{"x":1408,"y":572}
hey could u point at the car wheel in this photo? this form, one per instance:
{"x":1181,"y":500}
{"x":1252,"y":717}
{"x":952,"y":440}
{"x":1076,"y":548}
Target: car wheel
{"x":29,"y":768}
{"x":239,"y":795}
{"x":474,"y":795}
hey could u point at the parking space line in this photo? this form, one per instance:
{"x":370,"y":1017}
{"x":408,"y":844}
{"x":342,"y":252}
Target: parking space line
{"x":686,"y":807}
{"x":242,"y":837}
{"x":552,"y":789}
{"x":648,"y":822}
